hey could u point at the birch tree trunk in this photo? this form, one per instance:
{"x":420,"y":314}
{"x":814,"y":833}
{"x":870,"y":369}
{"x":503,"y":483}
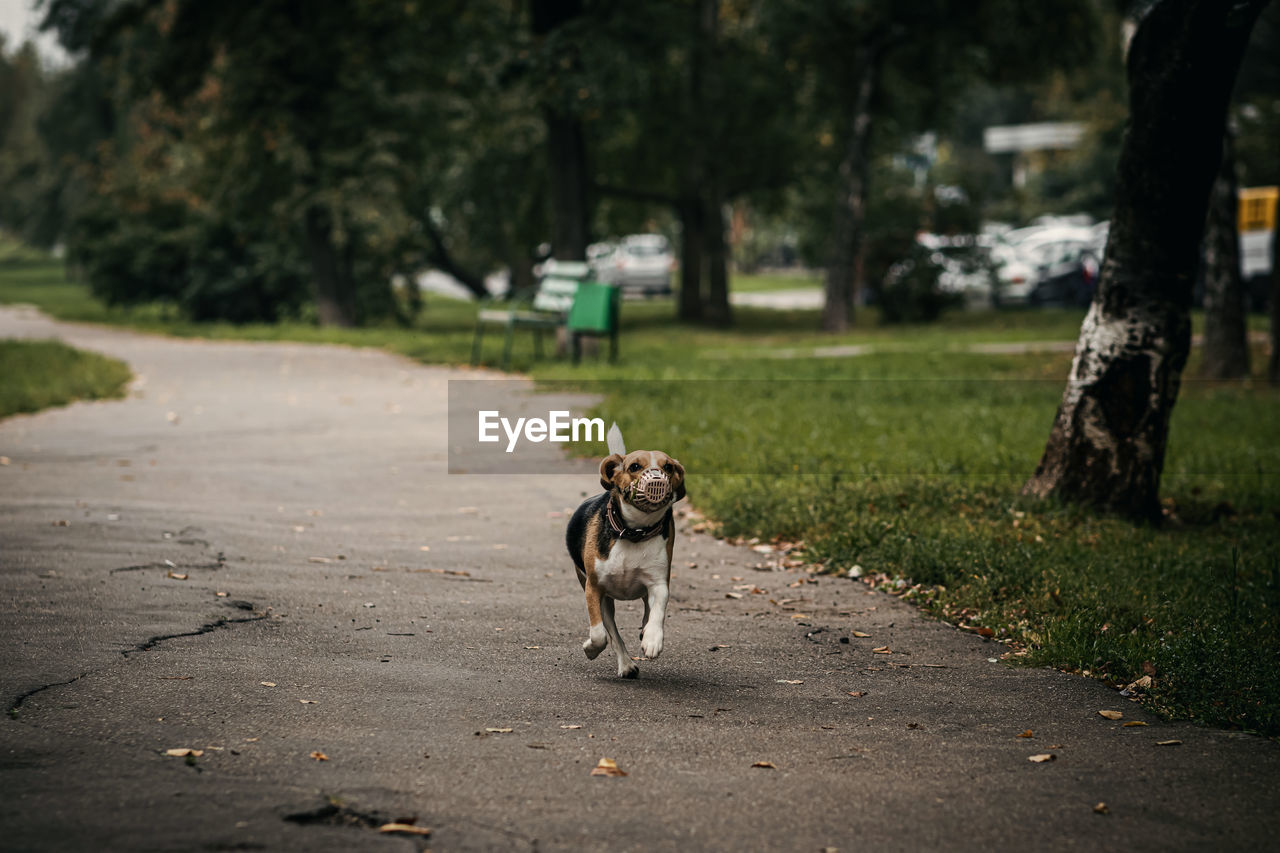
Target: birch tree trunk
{"x":1107,"y":444}
{"x":1273,"y":363}
{"x":1226,"y":346}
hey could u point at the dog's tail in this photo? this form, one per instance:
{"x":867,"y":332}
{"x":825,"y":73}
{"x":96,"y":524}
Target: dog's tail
{"x":614,"y":440}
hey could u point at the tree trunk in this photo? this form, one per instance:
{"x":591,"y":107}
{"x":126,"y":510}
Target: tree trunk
{"x":566,"y":149}
{"x":1107,"y":444}
{"x":567,"y":154}
{"x":335,"y":301}
{"x":718,"y":311}
{"x":1226,"y":346}
{"x":691,"y":245}
{"x":849,"y":218}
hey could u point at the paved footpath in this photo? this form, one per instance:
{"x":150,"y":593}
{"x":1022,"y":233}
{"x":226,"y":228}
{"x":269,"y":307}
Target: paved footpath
{"x":259,"y":555}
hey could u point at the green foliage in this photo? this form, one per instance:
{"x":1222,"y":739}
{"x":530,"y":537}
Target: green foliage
{"x":35,"y":375}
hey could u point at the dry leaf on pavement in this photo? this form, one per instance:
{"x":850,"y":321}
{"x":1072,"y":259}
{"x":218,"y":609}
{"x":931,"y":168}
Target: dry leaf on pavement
{"x":1168,"y":743}
{"x":405,"y":827}
{"x":319,"y":756}
{"x":768,"y":765}
{"x":882,"y":650}
{"x":607,"y":767}
{"x":499,"y":731}
{"x":1111,"y":715}
{"x":860,"y":634}
{"x":184,"y":752}
{"x":1133,"y":723}
{"x":789,"y":681}
{"x":856,"y":694}
{"x":267,"y":683}
{"x":1027,"y":733}
{"x":1042,"y":757}
{"x":1101,"y":808}
{"x":176,"y":576}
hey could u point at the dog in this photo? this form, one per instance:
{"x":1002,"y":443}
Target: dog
{"x":621,"y":543}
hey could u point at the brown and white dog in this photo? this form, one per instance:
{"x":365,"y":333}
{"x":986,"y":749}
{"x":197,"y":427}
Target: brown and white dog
{"x":621,"y":544}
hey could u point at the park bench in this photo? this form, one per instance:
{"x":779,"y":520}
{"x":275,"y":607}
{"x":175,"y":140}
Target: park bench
{"x":551,"y":306}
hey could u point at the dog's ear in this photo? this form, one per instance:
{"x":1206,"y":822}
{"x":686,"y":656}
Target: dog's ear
{"x":608,"y":467}
{"x":679,"y":488}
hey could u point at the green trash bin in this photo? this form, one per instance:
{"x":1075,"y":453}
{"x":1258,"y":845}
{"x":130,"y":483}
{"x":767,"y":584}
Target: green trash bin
{"x":595,"y":313}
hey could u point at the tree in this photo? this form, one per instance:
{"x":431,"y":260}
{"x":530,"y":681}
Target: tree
{"x":1106,"y":447}
{"x":1225,"y":352}
{"x":882,"y":71}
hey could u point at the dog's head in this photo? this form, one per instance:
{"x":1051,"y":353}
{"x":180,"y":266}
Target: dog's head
{"x":647,"y":479}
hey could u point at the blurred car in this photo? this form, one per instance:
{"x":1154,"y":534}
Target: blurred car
{"x":639,"y":263}
{"x":965,"y":266}
{"x":1053,"y":264}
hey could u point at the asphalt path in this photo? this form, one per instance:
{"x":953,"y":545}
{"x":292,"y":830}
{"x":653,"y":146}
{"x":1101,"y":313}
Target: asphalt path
{"x":260,"y":555}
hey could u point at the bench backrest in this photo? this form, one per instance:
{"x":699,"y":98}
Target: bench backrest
{"x":555,"y":294}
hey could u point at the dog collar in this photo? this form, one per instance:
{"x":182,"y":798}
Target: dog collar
{"x":631,"y":534}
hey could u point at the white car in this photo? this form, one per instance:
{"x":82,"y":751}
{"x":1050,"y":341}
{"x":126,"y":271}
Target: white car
{"x":640,"y":263}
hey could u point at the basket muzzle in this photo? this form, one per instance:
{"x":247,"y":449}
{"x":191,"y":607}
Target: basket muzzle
{"x":651,"y":489}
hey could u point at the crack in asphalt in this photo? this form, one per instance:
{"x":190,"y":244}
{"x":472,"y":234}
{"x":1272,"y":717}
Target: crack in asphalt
{"x":206,"y":628}
{"x":333,"y":813}
{"x":17,"y":702}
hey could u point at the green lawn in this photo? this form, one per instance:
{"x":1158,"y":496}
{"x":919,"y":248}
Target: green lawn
{"x":907,"y":461}
{"x":35,"y":375}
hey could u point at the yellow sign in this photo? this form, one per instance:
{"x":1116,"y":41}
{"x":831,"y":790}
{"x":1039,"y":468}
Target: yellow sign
{"x":1258,"y":208}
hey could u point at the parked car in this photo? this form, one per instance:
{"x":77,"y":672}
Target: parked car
{"x":1053,"y":264}
{"x":639,"y":263}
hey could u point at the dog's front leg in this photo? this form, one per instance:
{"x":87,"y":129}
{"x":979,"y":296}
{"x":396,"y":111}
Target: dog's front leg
{"x":597,"y":639}
{"x":656,"y":604}
{"x":626,"y":666}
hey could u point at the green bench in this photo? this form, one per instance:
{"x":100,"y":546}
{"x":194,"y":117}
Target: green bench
{"x":563,"y":298}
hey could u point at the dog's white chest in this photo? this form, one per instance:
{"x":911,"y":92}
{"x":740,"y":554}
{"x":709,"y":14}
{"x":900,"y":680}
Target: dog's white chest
{"x":633,"y":567}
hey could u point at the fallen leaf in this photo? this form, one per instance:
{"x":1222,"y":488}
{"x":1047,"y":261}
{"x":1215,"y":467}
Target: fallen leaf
{"x":985,"y":632}
{"x":1133,"y":723}
{"x":532,"y":648}
{"x":424,"y":547}
{"x":177,"y":577}
{"x":1168,"y":743}
{"x":856,"y":694}
{"x":800,"y":616}
{"x":607,"y":767}
{"x":251,"y":740}
{"x":1042,"y":757}
{"x":499,"y":731}
{"x":571,"y":727}
{"x":404,"y":827}
{"x":859,"y":634}
{"x":319,"y":560}
{"x":1027,"y":733}
{"x":882,"y":650}
{"x":1101,"y":808}
{"x":307,"y":701}
{"x":768,"y":765}
{"x":184,"y":752}
{"x":319,"y":756}
{"x":789,"y":681}
{"x":1111,"y":715}
{"x":733,"y":595}
{"x":267,"y":683}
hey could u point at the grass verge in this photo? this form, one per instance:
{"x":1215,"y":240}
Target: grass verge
{"x":35,"y":375}
{"x":906,"y":462}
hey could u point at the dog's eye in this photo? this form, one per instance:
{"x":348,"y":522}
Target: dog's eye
{"x":669,"y":468}
{"x":635,"y":466}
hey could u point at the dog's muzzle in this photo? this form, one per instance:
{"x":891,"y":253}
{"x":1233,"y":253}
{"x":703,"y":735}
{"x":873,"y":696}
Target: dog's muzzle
{"x":651,"y":488}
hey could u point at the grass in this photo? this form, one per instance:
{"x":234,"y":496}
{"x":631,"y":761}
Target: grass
{"x":907,"y":462}
{"x":35,"y":375}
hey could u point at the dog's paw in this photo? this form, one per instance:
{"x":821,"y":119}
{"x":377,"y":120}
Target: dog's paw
{"x":651,"y":646}
{"x":595,"y":642}
{"x":628,"y":670}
